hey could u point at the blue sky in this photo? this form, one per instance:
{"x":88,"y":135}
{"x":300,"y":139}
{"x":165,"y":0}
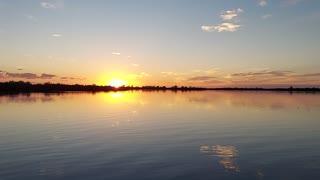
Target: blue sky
{"x":149,"y":42}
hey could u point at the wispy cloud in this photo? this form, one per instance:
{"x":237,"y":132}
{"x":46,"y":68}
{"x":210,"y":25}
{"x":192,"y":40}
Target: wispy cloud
{"x":262,"y":73}
{"x":30,"y":17}
{"x":48,"y":5}
{"x":201,"y":78}
{"x":135,"y":65}
{"x":56,"y":35}
{"x":229,"y":15}
{"x":116,"y":53}
{"x":71,"y":78}
{"x":291,"y":2}
{"x":308,"y":75}
{"x":208,"y":28}
{"x":46,"y":76}
{"x":43,"y":76}
{"x":262,"y":3}
{"x":52,"y":5}
{"x":138,"y":75}
{"x":169,"y":73}
{"x":266,"y":16}
{"x":22,"y":75}
{"x":29,"y":75}
{"x":206,"y":71}
{"x":223,"y":27}
{"x":66,"y":78}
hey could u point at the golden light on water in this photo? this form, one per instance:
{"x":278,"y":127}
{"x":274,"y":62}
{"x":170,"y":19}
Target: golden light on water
{"x":117,"y":95}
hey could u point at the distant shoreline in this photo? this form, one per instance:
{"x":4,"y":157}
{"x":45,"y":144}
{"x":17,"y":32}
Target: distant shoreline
{"x":27,"y":87}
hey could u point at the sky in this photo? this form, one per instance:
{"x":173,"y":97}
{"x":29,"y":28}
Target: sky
{"x":220,"y":43}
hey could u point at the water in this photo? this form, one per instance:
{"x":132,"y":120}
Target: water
{"x":160,"y":135}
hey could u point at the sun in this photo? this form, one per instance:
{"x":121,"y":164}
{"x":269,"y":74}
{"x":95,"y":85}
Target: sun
{"x":117,"y":83}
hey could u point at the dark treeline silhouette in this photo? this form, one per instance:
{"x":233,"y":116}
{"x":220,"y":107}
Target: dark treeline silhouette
{"x":21,"y":86}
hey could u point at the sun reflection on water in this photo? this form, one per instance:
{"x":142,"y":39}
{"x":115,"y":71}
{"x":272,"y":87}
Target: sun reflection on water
{"x":227,"y":155}
{"x":117,"y":95}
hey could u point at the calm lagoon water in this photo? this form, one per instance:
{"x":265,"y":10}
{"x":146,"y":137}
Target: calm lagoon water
{"x":160,"y":135}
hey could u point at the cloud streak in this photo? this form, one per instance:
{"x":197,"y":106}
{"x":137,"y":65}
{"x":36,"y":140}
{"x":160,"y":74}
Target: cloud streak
{"x":29,"y":75}
{"x":201,"y":78}
{"x":291,"y":2}
{"x":229,"y":15}
{"x":266,"y":16}
{"x":46,"y":76}
{"x":52,"y":5}
{"x":56,"y":35}
{"x":48,"y":5}
{"x":262,"y":3}
{"x":262,"y":73}
{"x":223,"y":27}
{"x":116,"y":53}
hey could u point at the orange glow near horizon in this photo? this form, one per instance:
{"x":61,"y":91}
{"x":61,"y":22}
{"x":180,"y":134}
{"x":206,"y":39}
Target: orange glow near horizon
{"x":117,"y":82}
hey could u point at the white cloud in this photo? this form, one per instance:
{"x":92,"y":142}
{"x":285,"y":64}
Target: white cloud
{"x":266,"y":16}
{"x":135,"y":65}
{"x":56,"y":35}
{"x":30,"y":17}
{"x":139,"y":75}
{"x":228,"y":15}
{"x":169,"y":73}
{"x":53,"y":5}
{"x":116,"y":53}
{"x":208,"y":28}
{"x":48,"y":5}
{"x":291,"y":2}
{"x":262,"y":3}
{"x":223,"y":27}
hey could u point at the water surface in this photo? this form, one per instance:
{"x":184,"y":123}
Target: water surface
{"x":160,"y":135}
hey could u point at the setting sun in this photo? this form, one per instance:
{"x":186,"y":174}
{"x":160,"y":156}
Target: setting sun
{"x":116,"y":82}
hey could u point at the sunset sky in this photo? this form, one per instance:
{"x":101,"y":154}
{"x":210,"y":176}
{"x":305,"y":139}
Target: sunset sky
{"x":208,"y":43}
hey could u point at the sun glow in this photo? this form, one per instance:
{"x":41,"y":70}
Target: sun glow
{"x":117,"y":83}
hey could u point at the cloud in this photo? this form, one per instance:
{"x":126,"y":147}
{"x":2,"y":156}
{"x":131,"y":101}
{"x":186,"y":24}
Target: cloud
{"x":229,"y":15}
{"x":28,"y":75}
{"x":48,"y":5}
{"x":56,"y":35}
{"x":19,"y":69}
{"x":291,"y":2}
{"x":30,"y":17}
{"x":206,"y":71}
{"x":208,"y":28}
{"x":308,"y":75}
{"x":66,"y":78}
{"x":22,"y":75}
{"x":201,"y":78}
{"x":135,"y":65}
{"x":71,"y":78}
{"x":262,"y":3}
{"x":223,"y":27}
{"x":47,"y":76}
{"x":139,"y":75}
{"x":266,"y":16}
{"x":262,"y":73}
{"x":116,"y":53}
{"x":4,"y":74}
{"x":169,"y":73}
